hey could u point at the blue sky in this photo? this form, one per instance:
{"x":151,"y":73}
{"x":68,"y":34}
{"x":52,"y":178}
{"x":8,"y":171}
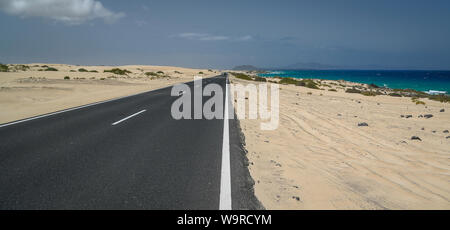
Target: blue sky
{"x":409,"y":34}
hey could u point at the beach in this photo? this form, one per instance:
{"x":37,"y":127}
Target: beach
{"x":338,"y":150}
{"x":37,"y":90}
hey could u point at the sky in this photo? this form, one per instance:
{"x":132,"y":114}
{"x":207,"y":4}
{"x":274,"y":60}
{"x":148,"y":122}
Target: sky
{"x":400,"y":34}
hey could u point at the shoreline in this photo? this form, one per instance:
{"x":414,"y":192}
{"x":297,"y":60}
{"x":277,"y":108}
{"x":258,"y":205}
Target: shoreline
{"x":373,"y":78}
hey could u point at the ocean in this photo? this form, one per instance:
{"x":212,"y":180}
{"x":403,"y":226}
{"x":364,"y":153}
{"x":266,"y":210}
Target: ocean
{"x":420,"y":80}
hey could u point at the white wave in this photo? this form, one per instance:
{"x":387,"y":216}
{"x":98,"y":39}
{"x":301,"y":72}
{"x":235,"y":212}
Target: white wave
{"x":435,"y":92}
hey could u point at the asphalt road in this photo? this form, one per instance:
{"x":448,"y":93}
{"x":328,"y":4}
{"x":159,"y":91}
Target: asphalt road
{"x":122,"y":154}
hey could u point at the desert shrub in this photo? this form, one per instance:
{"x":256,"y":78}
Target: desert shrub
{"x":102,"y":78}
{"x":50,"y":69}
{"x":261,"y":79}
{"x":66,"y":78}
{"x":309,"y":93}
{"x":160,"y":72}
{"x":411,"y":93}
{"x":118,"y":71}
{"x":308,"y":83}
{"x":20,"y":68}
{"x":151,"y":74}
{"x":420,"y":102}
{"x":178,"y":72}
{"x":72,"y":70}
{"x":93,"y":71}
{"x":200,"y":72}
{"x":395,"y":95}
{"x":242,"y":76}
{"x":82,"y":70}
{"x":353,"y":90}
{"x":288,"y":81}
{"x":3,"y":68}
{"x":333,"y":90}
{"x":441,"y":98}
{"x":44,"y":66}
{"x":369,"y":93}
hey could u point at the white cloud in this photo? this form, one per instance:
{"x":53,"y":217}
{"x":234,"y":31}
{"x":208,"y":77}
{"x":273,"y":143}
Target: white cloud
{"x":245,"y":38}
{"x":202,"y":37}
{"x":211,"y":37}
{"x":67,"y":11}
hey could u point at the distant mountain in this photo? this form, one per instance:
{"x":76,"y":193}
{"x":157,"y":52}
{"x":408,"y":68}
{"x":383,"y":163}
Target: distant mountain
{"x":310,"y":66}
{"x":246,"y":68}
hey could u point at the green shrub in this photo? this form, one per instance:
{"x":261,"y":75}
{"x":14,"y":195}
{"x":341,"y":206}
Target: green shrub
{"x":310,"y":83}
{"x":353,"y":90}
{"x":117,"y":71}
{"x":242,"y":76}
{"x":288,"y":81}
{"x":200,"y":72}
{"x":261,"y":79}
{"x":441,"y":98}
{"x":151,"y":74}
{"x":82,"y":70}
{"x":19,"y":68}
{"x":66,"y":78}
{"x":3,"y":68}
{"x":50,"y":69}
{"x":369,"y":93}
{"x":395,"y":95}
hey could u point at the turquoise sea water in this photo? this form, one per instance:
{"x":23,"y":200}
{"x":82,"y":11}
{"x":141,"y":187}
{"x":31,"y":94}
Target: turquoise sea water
{"x":396,"y":79}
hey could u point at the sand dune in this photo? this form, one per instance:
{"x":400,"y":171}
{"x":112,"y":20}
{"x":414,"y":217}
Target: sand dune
{"x":319,"y":158}
{"x":32,"y":92}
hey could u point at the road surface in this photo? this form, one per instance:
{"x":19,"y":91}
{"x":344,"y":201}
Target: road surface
{"x":127,"y":153}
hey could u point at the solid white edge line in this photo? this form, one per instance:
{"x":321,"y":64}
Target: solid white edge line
{"x":126,"y":118}
{"x":225,"y":179}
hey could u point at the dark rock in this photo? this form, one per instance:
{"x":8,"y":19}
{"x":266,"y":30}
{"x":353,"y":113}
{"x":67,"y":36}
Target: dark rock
{"x":363,"y":124}
{"x":339,"y":114}
{"x":416,"y":138}
{"x":296,"y":198}
{"x":408,"y":116}
{"x":428,"y":116}
{"x":434,"y":131}
{"x":448,"y":137}
{"x":420,"y":116}
{"x":445,"y":131}
{"x":422,"y":128}
{"x":442,"y":110}
{"x":402,"y":116}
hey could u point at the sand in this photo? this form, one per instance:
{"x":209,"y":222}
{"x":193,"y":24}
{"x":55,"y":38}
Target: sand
{"x":319,"y":158}
{"x":32,"y":92}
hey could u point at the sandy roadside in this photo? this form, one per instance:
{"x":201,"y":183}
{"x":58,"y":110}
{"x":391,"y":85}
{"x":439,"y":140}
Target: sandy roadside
{"x":319,"y":158}
{"x":32,"y":92}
